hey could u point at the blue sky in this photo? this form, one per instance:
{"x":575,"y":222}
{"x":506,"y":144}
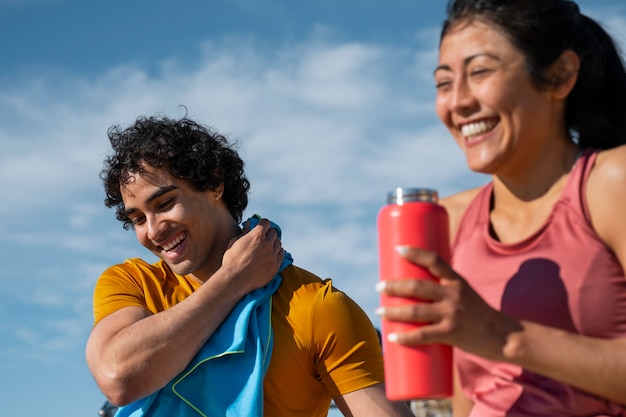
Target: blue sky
{"x":331,"y":103}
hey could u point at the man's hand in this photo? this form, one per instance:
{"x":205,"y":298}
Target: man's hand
{"x":257,"y":254}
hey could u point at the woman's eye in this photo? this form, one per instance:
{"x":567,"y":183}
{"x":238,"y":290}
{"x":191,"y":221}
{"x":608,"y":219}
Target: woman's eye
{"x":478,"y":72}
{"x":440,"y":85}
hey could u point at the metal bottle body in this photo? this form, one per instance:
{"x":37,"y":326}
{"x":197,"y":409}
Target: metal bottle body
{"x":412,"y":217}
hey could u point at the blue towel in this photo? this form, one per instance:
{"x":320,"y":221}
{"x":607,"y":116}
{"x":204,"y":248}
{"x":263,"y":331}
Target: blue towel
{"x":225,"y":378}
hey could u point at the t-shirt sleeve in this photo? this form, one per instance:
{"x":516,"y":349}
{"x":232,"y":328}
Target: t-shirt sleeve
{"x":350,"y":354}
{"x":115,"y":289}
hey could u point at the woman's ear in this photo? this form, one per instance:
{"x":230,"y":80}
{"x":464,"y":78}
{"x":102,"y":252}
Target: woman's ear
{"x":563,"y":74}
{"x":219,"y":191}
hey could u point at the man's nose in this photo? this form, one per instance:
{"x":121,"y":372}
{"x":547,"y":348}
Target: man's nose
{"x":156,"y":226}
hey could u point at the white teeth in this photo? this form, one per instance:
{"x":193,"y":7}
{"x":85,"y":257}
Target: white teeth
{"x":477,"y":128}
{"x":174,"y":243}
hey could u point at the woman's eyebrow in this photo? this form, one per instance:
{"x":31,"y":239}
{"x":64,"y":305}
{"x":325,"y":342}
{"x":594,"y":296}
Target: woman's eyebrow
{"x":466,"y":61}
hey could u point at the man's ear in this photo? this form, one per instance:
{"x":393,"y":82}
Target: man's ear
{"x":563,"y":74}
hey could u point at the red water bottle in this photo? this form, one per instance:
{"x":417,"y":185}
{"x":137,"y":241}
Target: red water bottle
{"x":412,"y":217}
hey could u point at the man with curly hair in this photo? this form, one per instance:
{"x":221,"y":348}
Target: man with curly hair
{"x":223,"y":324}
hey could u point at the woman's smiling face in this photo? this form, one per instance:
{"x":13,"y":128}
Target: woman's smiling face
{"x":486,"y":98}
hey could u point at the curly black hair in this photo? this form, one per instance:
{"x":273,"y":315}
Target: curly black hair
{"x":187,"y":149}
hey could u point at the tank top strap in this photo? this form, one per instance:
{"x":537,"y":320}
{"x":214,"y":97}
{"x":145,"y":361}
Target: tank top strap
{"x":476,"y":214}
{"x":574,"y":191}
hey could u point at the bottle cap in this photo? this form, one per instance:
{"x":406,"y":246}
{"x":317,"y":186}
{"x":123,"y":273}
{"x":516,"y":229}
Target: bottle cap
{"x":407,"y":195}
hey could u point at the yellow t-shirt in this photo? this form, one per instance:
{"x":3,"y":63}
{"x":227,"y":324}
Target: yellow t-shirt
{"x":324,"y":344}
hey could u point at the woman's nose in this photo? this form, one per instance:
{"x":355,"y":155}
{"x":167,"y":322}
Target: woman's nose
{"x":462,"y":99}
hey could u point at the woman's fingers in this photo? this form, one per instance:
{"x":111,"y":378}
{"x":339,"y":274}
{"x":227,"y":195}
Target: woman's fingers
{"x":415,"y":288}
{"x":429,"y":260}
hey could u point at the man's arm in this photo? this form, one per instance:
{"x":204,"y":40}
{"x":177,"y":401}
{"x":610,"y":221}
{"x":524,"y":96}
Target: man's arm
{"x":371,"y":402}
{"x":133,"y":353}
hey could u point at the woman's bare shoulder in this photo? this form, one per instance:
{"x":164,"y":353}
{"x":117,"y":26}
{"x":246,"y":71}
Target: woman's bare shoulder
{"x":606,"y":204}
{"x":456,"y":204}
{"x":460,"y":201}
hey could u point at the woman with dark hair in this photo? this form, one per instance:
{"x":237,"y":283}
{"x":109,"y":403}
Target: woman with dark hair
{"x":534,"y":298}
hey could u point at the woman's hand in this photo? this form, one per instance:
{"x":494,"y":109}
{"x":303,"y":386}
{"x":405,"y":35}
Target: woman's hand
{"x":456,"y":315}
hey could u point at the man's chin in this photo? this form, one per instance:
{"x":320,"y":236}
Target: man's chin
{"x":178,"y":268}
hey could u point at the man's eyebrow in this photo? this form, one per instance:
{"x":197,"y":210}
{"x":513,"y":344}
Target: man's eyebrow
{"x":158,"y":193}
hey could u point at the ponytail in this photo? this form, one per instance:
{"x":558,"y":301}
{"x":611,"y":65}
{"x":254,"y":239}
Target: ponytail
{"x":596,"y":107}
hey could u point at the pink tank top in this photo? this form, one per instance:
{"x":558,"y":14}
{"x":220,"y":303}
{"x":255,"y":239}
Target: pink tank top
{"x":562,"y":276}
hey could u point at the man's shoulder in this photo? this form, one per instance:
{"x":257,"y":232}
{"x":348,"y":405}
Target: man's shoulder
{"x":308,"y":285}
{"x":301,"y":275}
{"x":295,"y":278}
{"x":137,"y":267}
